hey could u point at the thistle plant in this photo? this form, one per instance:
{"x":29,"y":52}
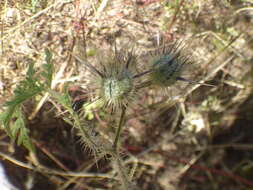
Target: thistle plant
{"x":116,"y":83}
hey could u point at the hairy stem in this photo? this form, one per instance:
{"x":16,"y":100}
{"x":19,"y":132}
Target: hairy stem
{"x":115,"y":143}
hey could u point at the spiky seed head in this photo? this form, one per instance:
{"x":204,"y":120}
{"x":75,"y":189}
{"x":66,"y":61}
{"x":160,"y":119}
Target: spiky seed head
{"x":167,"y":65}
{"x":117,"y":89}
{"x":113,"y":77}
{"x":115,"y":83}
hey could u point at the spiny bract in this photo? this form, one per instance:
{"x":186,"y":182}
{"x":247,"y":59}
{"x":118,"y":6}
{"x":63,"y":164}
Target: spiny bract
{"x":167,"y":65}
{"x":114,"y":78}
{"x":116,"y":87}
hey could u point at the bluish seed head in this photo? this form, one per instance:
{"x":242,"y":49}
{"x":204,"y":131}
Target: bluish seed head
{"x":166,"y":69}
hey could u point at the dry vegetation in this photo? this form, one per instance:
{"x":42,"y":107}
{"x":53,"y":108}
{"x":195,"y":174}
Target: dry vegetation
{"x":194,"y":137}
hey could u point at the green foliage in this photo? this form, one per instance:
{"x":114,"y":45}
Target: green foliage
{"x":18,"y":132}
{"x":24,"y":91}
{"x":89,"y":107}
{"x":48,"y":68}
{"x":86,"y":137}
{"x":12,"y":118}
{"x":33,"y":5}
{"x":62,"y":99}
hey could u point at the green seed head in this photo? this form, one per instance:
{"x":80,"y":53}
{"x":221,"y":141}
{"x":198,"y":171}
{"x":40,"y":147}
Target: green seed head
{"x":116,"y":86}
{"x":113,"y":77}
{"x":167,"y":66}
{"x":166,"y":70}
{"x":116,"y":91}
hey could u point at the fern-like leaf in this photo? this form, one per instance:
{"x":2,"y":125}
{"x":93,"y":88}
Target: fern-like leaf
{"x":16,"y":129}
{"x":24,"y":91}
{"x":12,"y":118}
{"x":48,"y":68}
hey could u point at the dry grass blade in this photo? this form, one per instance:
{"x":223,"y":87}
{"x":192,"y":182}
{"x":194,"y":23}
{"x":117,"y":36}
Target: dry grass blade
{"x":42,"y":169}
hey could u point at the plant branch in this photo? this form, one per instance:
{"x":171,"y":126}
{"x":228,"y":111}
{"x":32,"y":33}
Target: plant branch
{"x":115,"y":144}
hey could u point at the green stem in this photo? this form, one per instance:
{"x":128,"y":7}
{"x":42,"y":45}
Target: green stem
{"x":115,"y":144}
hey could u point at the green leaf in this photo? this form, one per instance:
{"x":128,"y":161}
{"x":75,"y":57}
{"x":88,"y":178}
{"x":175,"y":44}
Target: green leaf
{"x":5,"y":118}
{"x":25,"y":140}
{"x":16,"y":129}
{"x":12,"y":118}
{"x":26,"y":89}
{"x":30,"y":72}
{"x":34,"y":5}
{"x":49,"y":56}
{"x":48,"y":68}
{"x":18,"y":124}
{"x":63,"y":99}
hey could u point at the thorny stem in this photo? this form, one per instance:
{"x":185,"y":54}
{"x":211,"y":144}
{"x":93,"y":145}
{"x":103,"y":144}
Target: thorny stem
{"x":115,"y":143}
{"x":121,"y":172}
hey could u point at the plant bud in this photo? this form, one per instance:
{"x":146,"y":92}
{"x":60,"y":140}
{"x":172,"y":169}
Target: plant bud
{"x":116,"y":89}
{"x":113,"y":77}
{"x":167,"y":65}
